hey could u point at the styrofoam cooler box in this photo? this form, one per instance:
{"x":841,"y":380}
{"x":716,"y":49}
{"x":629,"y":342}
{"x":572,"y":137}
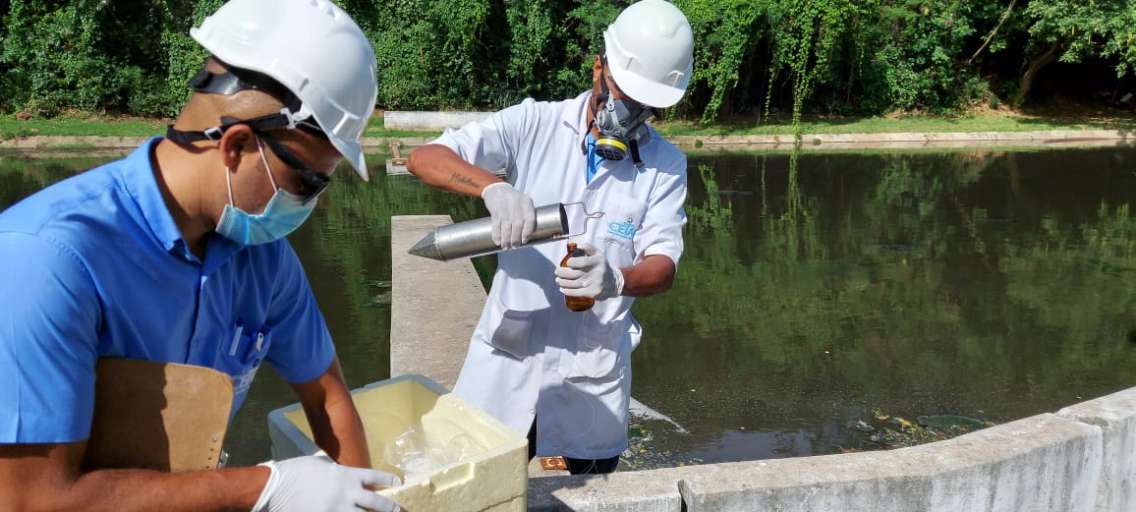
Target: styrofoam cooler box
{"x":490,"y":477}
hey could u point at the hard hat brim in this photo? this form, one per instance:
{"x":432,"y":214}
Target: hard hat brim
{"x":644,"y":91}
{"x":353,"y":153}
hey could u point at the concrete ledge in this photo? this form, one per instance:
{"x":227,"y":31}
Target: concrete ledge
{"x":408,"y":120}
{"x":1072,"y":138}
{"x":434,"y":305}
{"x":633,"y":491}
{"x":920,"y":138}
{"x":1115,"y":414}
{"x":40,"y":142}
{"x":1035,"y":464}
{"x":1042,"y":463}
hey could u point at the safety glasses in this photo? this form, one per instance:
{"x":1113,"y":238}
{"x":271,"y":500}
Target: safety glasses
{"x":312,"y":183}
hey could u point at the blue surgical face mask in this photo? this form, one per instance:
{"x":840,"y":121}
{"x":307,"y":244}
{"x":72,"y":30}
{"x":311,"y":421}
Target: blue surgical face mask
{"x":282,"y":215}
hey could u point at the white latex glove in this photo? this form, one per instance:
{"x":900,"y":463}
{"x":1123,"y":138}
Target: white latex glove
{"x":513,"y":213}
{"x":589,"y":276}
{"x":316,"y":484}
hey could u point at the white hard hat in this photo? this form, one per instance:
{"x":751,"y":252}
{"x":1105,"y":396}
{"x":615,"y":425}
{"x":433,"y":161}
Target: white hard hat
{"x":311,"y":47}
{"x":650,"y":52}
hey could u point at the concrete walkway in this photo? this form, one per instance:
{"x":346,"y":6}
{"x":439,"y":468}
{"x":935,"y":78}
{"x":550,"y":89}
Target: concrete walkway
{"x":810,"y":142}
{"x":434,"y":305}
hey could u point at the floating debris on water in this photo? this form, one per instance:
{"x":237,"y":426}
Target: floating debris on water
{"x":887,"y":431}
{"x":948,"y":421}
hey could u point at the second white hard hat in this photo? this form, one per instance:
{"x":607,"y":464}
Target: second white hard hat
{"x":650,"y":52}
{"x":313,"y":48}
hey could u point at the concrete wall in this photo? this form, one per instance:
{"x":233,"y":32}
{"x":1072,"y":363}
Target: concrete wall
{"x":401,"y":120}
{"x":1116,"y":416}
{"x":1082,"y":459}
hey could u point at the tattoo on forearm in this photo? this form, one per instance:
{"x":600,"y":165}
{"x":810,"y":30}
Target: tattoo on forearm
{"x":462,"y":180}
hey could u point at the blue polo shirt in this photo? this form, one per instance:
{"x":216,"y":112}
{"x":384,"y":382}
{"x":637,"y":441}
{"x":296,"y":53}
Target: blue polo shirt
{"x":94,"y":266}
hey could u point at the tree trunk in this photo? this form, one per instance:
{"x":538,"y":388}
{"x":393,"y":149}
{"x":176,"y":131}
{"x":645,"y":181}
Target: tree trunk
{"x":1035,"y":65}
{"x":990,"y":36}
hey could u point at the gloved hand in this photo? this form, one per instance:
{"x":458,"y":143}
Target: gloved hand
{"x":590,"y":276}
{"x":315,"y":483}
{"x":514,"y":216}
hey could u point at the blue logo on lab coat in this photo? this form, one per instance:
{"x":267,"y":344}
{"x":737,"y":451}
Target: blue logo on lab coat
{"x":625,"y":229}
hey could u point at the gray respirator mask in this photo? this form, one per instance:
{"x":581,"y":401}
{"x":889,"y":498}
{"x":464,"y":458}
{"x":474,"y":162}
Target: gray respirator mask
{"x":621,"y":125}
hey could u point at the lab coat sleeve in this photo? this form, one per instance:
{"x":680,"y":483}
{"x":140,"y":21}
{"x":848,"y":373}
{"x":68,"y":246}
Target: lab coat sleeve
{"x":301,"y":347}
{"x":492,"y":143}
{"x":661,"y":232}
{"x":49,"y":323}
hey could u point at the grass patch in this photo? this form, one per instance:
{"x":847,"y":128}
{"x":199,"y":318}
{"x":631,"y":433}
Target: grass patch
{"x":11,"y":127}
{"x":88,"y":126}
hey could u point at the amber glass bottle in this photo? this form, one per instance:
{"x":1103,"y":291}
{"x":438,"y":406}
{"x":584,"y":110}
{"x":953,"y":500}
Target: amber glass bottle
{"x":576,"y":303}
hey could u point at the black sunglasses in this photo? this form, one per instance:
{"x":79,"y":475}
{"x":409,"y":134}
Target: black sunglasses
{"x":312,"y":183}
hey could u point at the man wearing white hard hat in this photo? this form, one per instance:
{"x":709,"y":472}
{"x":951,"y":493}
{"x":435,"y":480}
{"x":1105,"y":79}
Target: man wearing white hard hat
{"x":561,"y":376}
{"x":177,"y":255}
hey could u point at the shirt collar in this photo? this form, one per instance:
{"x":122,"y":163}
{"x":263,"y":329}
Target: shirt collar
{"x":138,"y":178}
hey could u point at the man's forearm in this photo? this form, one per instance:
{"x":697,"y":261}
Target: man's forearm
{"x":129,"y":490}
{"x":336,"y":426}
{"x":439,"y":167}
{"x":655,"y":274}
{"x":339,"y":432}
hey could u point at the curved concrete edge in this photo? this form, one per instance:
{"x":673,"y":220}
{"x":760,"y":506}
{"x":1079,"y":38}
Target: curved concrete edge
{"x":63,"y":143}
{"x":1051,"y":138}
{"x":56,"y":143}
{"x":1115,"y":414}
{"x":1040,"y":136}
{"x":1082,"y":459}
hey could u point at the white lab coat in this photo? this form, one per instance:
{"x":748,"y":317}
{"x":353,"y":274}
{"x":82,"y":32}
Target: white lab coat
{"x":529,"y":354}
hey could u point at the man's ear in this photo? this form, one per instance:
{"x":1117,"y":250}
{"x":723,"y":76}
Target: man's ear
{"x":597,"y":69}
{"x":236,"y":141}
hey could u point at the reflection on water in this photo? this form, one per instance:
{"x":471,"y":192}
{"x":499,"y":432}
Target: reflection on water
{"x":991,"y":285}
{"x":812,"y":293}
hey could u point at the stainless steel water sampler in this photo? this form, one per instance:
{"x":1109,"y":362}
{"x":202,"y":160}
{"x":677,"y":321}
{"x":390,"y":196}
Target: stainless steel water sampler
{"x":475,"y":237}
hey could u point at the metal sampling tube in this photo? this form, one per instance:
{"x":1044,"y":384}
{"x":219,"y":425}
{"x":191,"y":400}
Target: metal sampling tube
{"x":475,"y":237}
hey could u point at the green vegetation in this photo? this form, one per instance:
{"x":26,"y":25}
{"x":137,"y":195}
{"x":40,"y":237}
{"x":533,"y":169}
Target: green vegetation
{"x":757,"y":59}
